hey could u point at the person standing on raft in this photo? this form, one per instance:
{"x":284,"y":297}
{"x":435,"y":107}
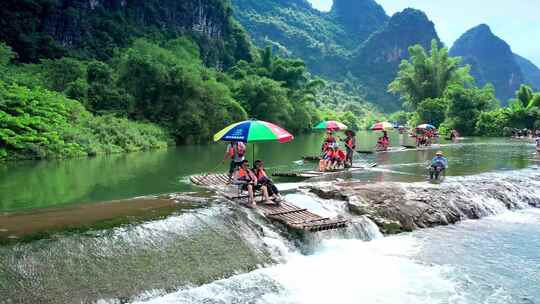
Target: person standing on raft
{"x":235,"y":151}
{"x":350,"y":147}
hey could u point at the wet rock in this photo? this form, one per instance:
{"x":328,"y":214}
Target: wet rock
{"x":398,"y":207}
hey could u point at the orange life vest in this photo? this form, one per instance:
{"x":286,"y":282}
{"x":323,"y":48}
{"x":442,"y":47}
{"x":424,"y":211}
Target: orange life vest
{"x":261,"y":173}
{"x":341,"y":154}
{"x":331,"y":154}
{"x":240,"y":148}
{"x":248,"y":175}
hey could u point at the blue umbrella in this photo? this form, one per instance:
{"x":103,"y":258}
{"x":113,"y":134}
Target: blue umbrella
{"x":426,"y":126}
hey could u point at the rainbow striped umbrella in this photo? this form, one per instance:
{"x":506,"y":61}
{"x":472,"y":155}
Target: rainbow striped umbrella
{"x":381,"y":126}
{"x":251,"y":131}
{"x":330,"y":125}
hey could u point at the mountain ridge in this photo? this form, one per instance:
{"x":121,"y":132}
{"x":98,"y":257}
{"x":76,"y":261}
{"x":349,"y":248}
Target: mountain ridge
{"x":530,"y":71}
{"x":491,"y":60}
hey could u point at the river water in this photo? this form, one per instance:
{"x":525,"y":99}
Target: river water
{"x":43,"y":184}
{"x":198,"y":248}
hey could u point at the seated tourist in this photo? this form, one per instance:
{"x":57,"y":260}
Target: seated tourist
{"x":328,"y":159}
{"x":264,"y":179}
{"x":249,"y":182}
{"x":340,"y":159}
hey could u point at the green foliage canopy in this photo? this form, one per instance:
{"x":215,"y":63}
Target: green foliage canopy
{"x":425,"y":75}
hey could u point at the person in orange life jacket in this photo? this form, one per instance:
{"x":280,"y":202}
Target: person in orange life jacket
{"x":264,"y":179}
{"x":330,"y":139}
{"x":326,"y":159}
{"x":245,"y":176}
{"x":384,"y":142}
{"x":235,"y":151}
{"x":333,"y":158}
{"x":350,"y":147}
{"x":341,"y":158}
{"x":324,"y":148}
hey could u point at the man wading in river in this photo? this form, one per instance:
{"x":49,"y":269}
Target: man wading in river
{"x":235,"y":151}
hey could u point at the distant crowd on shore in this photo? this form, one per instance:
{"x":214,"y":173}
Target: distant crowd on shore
{"x":525,"y":133}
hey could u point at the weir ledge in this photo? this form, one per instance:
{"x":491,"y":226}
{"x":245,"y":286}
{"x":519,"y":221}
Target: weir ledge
{"x":400,"y":207}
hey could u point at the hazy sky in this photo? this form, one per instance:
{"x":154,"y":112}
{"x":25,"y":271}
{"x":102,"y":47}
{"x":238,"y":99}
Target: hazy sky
{"x":515,"y":21}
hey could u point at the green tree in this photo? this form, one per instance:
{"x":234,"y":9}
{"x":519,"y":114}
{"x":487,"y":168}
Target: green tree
{"x":103,"y":94}
{"x":6,"y":54}
{"x":465,"y":106}
{"x":171,"y":87}
{"x":58,"y":74}
{"x":425,"y":76}
{"x":523,"y":111}
{"x":432,"y":110}
{"x":492,"y":123}
{"x":264,"y":99}
{"x":267,"y":58}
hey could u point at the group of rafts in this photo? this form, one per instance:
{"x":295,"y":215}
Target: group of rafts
{"x":245,"y":185}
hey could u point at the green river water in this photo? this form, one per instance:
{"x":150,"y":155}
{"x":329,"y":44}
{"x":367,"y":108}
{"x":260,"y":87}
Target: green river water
{"x":42,"y":184}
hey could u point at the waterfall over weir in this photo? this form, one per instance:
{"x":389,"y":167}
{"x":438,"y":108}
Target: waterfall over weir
{"x":447,"y":264}
{"x":225,"y":253}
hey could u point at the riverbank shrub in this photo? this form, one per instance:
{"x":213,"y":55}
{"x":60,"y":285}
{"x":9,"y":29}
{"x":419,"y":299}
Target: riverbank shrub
{"x":37,"y":124}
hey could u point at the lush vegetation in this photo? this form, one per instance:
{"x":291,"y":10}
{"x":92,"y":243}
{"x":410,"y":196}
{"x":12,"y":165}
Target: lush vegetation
{"x":121,"y":77}
{"x":439,"y":91}
{"x":70,"y":107}
{"x":36,"y":122}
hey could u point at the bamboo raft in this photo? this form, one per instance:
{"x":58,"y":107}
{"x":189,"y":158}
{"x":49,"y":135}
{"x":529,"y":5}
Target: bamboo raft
{"x":316,"y":173}
{"x":210,"y":180}
{"x":286,"y":213}
{"x":391,"y":149}
{"x":299,"y":218}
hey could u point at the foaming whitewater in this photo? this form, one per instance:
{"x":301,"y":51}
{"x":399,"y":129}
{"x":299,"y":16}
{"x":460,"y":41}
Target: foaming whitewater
{"x":340,"y":271}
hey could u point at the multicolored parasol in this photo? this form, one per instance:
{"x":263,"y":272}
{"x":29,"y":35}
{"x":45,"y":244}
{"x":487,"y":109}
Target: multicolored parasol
{"x":382,"y":126}
{"x":331,"y":125}
{"x":250,"y":131}
{"x":426,"y":126}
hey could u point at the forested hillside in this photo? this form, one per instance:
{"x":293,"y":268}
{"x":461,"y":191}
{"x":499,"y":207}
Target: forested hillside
{"x":376,"y":61}
{"x":84,"y":78}
{"x":355,"y":40}
{"x":37,"y":29}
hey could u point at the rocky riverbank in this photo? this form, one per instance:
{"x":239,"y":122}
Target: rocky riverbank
{"x":399,"y":207}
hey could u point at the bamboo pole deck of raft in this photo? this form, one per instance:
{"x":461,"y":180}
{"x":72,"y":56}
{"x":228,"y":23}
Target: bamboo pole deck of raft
{"x":285,"y":212}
